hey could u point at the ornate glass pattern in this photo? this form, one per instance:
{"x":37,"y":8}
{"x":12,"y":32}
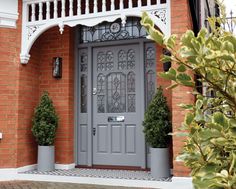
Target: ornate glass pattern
{"x":131,"y":59}
{"x":84,"y":62}
{"x":150,"y":57}
{"x":131,"y":91}
{"x":121,"y":60}
{"x":105,"y":31}
{"x":150,"y":71}
{"x":131,"y":103}
{"x":101,"y":89}
{"x":83,"y":96}
{"x":150,"y":84}
{"x":131,"y":82}
{"x":101,"y":103}
{"x":116,"y":93}
{"x":101,"y":61}
{"x":109,"y":60}
{"x":101,"y":84}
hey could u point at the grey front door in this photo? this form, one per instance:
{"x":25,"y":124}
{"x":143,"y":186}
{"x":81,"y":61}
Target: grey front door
{"x":117,"y":105}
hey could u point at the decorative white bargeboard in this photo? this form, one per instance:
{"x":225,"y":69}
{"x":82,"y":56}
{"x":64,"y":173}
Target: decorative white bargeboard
{"x":40,"y":15}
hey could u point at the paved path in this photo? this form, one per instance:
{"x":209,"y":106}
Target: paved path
{"x":52,"y":185}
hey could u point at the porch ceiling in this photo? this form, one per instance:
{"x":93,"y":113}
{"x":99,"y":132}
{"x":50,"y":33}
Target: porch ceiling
{"x":40,"y":15}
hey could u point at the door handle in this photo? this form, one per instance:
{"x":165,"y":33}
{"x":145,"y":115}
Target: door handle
{"x":94,"y":91}
{"x":94,"y":131}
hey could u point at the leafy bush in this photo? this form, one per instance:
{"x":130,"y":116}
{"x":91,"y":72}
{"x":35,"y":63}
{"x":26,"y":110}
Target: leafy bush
{"x":156,"y":122}
{"x":210,"y":124}
{"x":45,"y":121}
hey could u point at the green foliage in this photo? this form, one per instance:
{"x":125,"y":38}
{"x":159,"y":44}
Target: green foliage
{"x":210,"y":124}
{"x":45,"y":121}
{"x":156,"y":122}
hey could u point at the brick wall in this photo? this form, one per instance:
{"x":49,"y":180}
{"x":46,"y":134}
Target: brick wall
{"x":180,"y":22}
{"x":9,"y":73}
{"x":8,"y":96}
{"x":53,"y":44}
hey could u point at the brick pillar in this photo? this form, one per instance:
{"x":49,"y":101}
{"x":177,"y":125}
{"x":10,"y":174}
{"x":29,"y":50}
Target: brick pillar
{"x":180,"y":22}
{"x":168,"y":93}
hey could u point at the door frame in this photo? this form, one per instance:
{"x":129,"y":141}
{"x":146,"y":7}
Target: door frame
{"x":141,"y":42}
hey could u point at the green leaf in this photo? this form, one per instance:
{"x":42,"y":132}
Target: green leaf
{"x":171,"y":74}
{"x":181,"y":68}
{"x":187,"y":37}
{"x":189,"y":117}
{"x":171,"y":41}
{"x":199,"y":104}
{"x":156,"y":35}
{"x":183,"y":77}
{"x":220,"y":119}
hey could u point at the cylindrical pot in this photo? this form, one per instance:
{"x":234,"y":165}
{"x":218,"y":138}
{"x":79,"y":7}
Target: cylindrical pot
{"x":46,"y":158}
{"x":160,"y":163}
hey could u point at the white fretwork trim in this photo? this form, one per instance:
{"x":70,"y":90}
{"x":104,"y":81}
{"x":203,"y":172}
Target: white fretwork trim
{"x":32,"y":28}
{"x":8,"y":20}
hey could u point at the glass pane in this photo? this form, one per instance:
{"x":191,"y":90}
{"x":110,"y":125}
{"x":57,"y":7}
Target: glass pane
{"x":109,"y":60}
{"x":116,"y":93}
{"x":113,"y":31}
{"x":150,"y":57}
{"x":83,"y":62}
{"x":131,"y":82}
{"x":131,"y":59}
{"x":101,"y":103}
{"x":131,"y":103}
{"x":121,"y":60}
{"x":101,"y":61}
{"x":100,"y":84}
{"x":150,"y":85}
{"x":83,"y":96}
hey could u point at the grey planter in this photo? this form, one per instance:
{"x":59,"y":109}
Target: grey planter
{"x":160,"y":163}
{"x":46,"y":158}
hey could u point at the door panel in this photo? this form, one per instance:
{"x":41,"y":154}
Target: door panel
{"x":116,"y":105}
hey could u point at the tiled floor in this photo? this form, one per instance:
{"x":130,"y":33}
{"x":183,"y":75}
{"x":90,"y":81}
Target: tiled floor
{"x":102,"y":173}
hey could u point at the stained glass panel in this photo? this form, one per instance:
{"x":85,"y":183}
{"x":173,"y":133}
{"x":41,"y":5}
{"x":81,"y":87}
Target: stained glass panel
{"x":83,"y":96}
{"x":109,"y":60}
{"x":150,"y":84}
{"x":150,"y":70}
{"x":83,"y":62}
{"x":116,"y":93}
{"x":101,"y":103}
{"x":131,"y":103}
{"x":131,"y":59}
{"x":105,"y":31}
{"x":122,"y":60}
{"x":131,"y":82}
{"x":150,"y":57}
{"x":101,"y":60}
{"x":101,"y":84}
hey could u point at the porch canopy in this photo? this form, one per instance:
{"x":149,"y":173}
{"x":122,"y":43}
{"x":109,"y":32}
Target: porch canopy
{"x":40,"y":15}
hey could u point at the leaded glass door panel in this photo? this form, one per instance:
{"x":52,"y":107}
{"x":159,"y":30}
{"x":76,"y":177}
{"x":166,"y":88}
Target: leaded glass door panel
{"x":116,"y":105}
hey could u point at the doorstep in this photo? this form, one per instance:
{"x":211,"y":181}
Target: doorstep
{"x":139,"y":179}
